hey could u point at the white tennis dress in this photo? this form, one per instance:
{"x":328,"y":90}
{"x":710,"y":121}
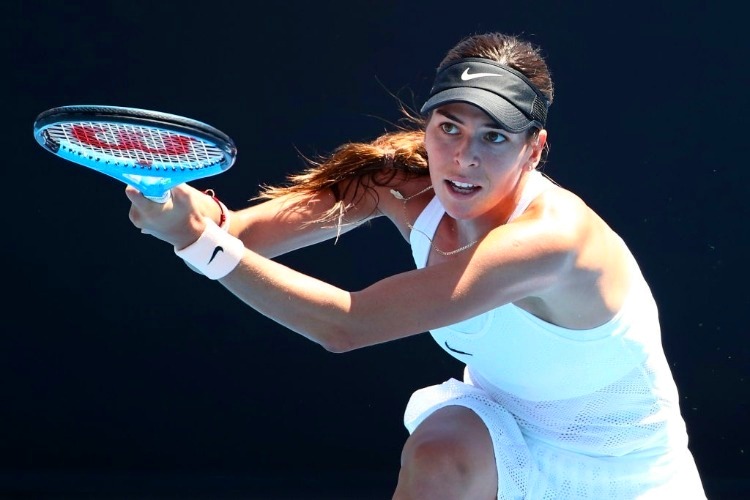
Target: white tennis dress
{"x":573,"y":414}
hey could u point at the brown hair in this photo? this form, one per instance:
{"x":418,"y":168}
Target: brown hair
{"x":400,"y":154}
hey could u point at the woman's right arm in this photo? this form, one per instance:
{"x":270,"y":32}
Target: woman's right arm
{"x":281,"y":225}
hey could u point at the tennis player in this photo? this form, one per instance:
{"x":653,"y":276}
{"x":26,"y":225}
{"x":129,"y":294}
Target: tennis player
{"x":566,"y":392}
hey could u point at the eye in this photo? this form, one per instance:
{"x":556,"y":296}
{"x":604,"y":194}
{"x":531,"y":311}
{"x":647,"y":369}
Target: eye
{"x":449,"y":128}
{"x":495,"y":137}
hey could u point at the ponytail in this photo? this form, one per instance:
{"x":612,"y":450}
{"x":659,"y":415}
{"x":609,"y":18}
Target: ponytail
{"x":353,"y":168}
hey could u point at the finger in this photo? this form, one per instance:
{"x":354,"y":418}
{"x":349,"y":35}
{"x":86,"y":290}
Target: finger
{"x":132,"y":193}
{"x":134,"y":216}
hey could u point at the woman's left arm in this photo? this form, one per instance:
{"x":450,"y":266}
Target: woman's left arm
{"x":508,"y":265}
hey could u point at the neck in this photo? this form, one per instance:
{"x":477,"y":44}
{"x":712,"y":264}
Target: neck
{"x":507,"y":209}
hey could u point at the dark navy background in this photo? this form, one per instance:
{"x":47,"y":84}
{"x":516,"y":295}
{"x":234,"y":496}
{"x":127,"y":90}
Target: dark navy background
{"x":125,"y":375}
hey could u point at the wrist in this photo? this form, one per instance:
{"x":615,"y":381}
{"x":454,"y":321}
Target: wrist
{"x":223,"y":219}
{"x":215,"y":253}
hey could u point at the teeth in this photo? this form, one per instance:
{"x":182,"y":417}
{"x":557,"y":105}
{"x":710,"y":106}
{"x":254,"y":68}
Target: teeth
{"x":462,"y":185}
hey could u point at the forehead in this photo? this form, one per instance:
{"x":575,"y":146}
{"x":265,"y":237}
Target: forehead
{"x":464,"y":112}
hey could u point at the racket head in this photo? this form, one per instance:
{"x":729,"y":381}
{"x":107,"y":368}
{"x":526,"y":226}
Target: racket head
{"x":150,"y":150}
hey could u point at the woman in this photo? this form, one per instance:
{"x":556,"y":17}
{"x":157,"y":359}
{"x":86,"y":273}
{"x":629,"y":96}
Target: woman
{"x":566,"y":391}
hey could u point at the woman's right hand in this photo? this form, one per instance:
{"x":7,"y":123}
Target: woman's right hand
{"x":179,"y":221}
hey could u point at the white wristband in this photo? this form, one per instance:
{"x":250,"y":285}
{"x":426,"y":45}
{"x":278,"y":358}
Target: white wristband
{"x":215,"y":254}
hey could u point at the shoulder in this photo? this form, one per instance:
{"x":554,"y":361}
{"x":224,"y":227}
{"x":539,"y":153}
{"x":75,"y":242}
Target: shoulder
{"x":545,"y":243}
{"x":582,"y":265}
{"x":556,"y":219}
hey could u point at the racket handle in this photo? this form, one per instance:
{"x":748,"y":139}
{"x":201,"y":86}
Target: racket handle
{"x":161,"y":199}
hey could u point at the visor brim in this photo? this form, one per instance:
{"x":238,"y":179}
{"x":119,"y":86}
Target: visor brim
{"x":500,"y":110}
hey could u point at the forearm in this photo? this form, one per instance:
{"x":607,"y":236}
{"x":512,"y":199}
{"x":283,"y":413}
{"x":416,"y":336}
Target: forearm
{"x":310,"y":307}
{"x":317,"y":310}
{"x":282,"y":225}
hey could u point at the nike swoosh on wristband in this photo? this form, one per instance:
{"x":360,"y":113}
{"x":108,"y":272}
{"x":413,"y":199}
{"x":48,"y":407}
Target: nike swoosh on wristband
{"x":215,"y":253}
{"x":465,"y":76}
{"x":456,"y":350}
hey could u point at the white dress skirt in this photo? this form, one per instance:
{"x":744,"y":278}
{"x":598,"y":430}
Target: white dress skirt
{"x":528,"y":468}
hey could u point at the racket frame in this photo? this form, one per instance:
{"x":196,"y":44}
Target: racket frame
{"x":137,"y":117}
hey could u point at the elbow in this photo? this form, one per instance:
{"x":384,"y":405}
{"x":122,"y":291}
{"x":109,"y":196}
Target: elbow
{"x":344,"y":329}
{"x":339,"y":342}
{"x":334,"y":348}
{"x":337,"y":346}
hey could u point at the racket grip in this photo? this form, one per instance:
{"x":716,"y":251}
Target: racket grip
{"x":160,"y":199}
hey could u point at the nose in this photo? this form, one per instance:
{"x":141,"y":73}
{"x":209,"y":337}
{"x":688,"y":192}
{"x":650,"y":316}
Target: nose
{"x":465,"y":155}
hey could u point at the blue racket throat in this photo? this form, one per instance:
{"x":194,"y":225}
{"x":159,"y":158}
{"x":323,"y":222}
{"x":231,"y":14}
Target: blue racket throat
{"x":149,"y":150}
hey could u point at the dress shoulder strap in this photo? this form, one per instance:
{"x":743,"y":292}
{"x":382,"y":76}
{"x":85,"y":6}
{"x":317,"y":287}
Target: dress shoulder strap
{"x":424,"y":229}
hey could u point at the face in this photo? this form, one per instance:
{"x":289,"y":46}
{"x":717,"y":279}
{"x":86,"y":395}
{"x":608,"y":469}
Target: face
{"x":476,"y":167}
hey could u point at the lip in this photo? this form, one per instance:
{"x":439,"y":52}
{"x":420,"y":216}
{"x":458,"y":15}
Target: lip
{"x":453,"y":186}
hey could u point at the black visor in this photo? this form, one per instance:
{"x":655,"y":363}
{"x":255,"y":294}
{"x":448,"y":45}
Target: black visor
{"x":503,"y":93}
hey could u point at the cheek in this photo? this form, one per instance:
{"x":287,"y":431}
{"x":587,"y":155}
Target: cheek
{"x":429,"y":143}
{"x":437,"y":151}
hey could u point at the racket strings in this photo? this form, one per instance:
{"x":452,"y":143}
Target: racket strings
{"x":135,"y":146}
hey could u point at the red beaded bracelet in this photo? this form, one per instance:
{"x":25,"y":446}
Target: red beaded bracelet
{"x":223,"y":215}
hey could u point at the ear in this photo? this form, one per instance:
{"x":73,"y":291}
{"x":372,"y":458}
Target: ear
{"x":537,"y":148}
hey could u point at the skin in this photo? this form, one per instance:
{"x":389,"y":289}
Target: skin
{"x":558,"y":260}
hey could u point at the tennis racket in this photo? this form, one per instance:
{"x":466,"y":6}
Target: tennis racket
{"x":150,"y":150}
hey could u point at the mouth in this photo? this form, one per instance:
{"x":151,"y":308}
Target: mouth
{"x":462,"y":187}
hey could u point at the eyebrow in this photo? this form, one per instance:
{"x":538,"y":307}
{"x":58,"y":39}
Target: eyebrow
{"x":451,"y":116}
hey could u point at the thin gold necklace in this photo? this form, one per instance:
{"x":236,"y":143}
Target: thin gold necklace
{"x":401,"y":197}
